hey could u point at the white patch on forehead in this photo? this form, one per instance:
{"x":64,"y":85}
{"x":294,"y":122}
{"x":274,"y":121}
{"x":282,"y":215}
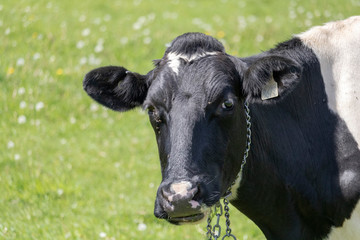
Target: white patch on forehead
{"x":350,"y":230}
{"x":337,"y":47}
{"x":175,"y":58}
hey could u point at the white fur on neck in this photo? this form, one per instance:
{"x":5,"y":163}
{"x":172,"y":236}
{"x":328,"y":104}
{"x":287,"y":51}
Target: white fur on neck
{"x":337,"y":47}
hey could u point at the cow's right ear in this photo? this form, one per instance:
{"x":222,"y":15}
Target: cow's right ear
{"x":271,"y":77}
{"x":116,"y":87}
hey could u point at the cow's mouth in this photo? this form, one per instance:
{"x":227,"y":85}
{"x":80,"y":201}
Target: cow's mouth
{"x":187,"y":219}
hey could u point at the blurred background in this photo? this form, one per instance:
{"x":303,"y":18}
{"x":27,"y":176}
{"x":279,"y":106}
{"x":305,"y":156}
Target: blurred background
{"x":71,"y":169}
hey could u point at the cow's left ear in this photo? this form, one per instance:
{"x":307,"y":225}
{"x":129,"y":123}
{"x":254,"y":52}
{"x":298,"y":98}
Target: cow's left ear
{"x":116,"y":87}
{"x":270,"y":77}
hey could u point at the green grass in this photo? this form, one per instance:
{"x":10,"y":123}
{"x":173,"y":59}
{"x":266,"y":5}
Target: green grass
{"x":70,"y":169}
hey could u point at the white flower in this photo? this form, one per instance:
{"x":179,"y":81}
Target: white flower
{"x":300,"y":9}
{"x":83,"y":60}
{"x":100,"y":41}
{"x":82,"y":18}
{"x":97,"y":21}
{"x":93,"y":60}
{"x":20,"y":62}
{"x":86,"y":32}
{"x":124,"y":40}
{"x":102,"y":235}
{"x":36,"y":56}
{"x":21,"y":91}
{"x":94,"y":107}
{"x":39,"y":106}
{"x":10,"y":144}
{"x":68,"y":235}
{"x":22,"y":104}
{"x":21,"y":119}
{"x":17,"y":157}
{"x":308,"y":22}
{"x":259,"y":38}
{"x":72,"y":120}
{"x":37,"y":122}
{"x":99,"y":48}
{"x":60,"y":192}
{"x":80,"y":44}
{"x":107,"y":17}
{"x":52,"y":58}
{"x":268,"y":19}
{"x":7,"y":31}
{"x":142,"y":227}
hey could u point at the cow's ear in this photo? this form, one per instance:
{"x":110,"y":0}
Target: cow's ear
{"x":270,"y":77}
{"x":116,"y":87}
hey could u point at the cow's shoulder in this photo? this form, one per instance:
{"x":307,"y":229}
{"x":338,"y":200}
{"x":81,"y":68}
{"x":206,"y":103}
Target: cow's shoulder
{"x":337,"y":47}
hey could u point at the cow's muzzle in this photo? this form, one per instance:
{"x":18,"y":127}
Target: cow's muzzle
{"x":180,"y":203}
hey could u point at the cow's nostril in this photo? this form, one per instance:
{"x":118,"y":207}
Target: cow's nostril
{"x":167,"y":195}
{"x":197,"y":195}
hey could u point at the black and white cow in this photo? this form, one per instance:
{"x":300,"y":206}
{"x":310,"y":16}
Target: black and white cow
{"x":302,"y":177}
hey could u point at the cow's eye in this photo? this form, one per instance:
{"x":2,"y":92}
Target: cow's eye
{"x":151,"y":110}
{"x":228,"y":104}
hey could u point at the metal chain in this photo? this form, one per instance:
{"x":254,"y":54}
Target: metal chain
{"x":217,"y":227}
{"x":216,"y":231}
{"x":209,"y":233}
{"x":248,"y":138}
{"x":227,"y":222}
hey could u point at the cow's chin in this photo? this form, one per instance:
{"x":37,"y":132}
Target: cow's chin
{"x":193,"y":219}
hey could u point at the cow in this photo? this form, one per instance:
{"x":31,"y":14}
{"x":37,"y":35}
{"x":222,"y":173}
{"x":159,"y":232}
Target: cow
{"x":301,"y":179}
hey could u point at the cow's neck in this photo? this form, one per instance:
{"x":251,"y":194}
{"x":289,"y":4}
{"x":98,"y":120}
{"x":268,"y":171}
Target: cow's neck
{"x":290,"y":185}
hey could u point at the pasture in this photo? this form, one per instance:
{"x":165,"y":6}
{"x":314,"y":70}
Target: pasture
{"x":71,"y":169}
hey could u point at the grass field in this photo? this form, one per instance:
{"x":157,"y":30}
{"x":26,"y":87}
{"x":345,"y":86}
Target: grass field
{"x":70,"y":169}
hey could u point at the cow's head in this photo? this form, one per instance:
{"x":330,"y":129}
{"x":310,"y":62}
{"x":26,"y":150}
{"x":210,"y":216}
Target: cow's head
{"x":194,"y":97}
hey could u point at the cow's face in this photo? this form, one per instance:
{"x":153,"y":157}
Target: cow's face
{"x":194,"y":98}
{"x":196,"y":113}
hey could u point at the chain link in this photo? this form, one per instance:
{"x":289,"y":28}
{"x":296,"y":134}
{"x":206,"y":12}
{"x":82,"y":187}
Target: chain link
{"x":216,"y":230}
{"x":209,"y":233}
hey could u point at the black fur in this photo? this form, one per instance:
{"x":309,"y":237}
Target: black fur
{"x":116,"y":87}
{"x":195,"y":43}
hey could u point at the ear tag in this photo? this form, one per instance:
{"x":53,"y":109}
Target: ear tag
{"x":270,"y":90}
